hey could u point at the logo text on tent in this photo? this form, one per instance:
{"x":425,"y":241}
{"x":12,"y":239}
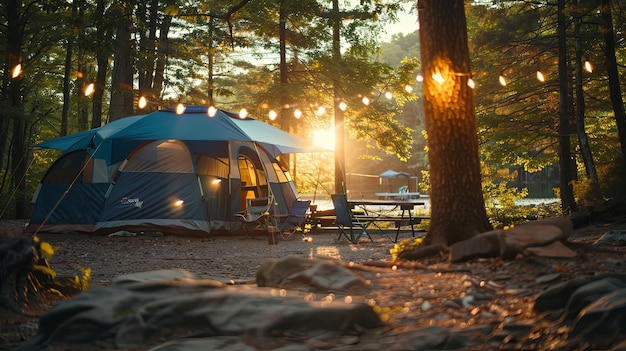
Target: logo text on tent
{"x":134,"y":202}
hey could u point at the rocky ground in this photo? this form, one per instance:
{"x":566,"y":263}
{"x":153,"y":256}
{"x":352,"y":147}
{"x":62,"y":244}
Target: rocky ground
{"x":480,"y":304}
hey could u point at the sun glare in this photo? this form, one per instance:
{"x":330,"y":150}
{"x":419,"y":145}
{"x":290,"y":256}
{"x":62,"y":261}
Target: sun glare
{"x":324,"y":137}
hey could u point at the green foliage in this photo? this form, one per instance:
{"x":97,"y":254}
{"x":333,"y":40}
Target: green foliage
{"x":405,"y":245}
{"x":612,"y":178}
{"x":81,"y":281}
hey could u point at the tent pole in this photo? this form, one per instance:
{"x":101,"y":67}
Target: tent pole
{"x":67,"y":191}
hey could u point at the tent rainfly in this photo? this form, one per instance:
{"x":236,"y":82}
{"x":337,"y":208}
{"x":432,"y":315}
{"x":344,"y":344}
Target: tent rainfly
{"x":176,"y":173}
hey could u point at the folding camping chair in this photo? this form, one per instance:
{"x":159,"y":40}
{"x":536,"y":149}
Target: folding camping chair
{"x":345,"y":219}
{"x":289,"y":223}
{"x":256,"y":214}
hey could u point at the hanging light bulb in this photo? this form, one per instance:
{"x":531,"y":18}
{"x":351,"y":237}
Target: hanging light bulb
{"x":142,"y":103}
{"x":273,"y":115}
{"x":471,"y":83}
{"x":243,"y":113}
{"x":297,"y":113}
{"x":588,"y":66}
{"x":89,"y":89}
{"x":343,"y":106}
{"x":388,"y":95}
{"x":540,"y":77}
{"x":180,"y":108}
{"x":211,"y":111}
{"x":502,"y":80}
{"x":17,"y":70}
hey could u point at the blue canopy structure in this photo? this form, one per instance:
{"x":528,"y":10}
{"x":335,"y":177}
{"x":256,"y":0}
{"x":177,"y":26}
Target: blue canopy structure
{"x":164,"y":171}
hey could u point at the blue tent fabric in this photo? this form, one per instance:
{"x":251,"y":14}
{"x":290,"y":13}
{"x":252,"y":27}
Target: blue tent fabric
{"x":192,"y":125}
{"x":137,"y":196}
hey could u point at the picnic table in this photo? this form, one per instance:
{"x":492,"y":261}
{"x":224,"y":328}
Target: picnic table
{"x":373,"y":214}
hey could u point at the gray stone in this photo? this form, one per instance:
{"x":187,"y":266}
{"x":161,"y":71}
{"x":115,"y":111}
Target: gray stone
{"x":436,"y":338}
{"x":482,"y":245}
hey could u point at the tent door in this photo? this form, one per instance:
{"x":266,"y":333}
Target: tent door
{"x":253,"y":178}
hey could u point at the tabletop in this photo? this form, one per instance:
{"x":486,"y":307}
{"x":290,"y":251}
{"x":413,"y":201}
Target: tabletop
{"x":403,"y":204}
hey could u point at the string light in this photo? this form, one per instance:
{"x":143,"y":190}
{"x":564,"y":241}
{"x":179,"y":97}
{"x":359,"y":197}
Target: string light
{"x":297,"y":113}
{"x":273,"y":115}
{"x":142,"y":103}
{"x":388,"y":95}
{"x":211,"y":111}
{"x":502,"y":80}
{"x":588,"y":66}
{"x":408,"y":89}
{"x":89,"y":89}
{"x":180,"y":108}
{"x":343,"y":106}
{"x":17,"y":70}
{"x":243,"y":113}
{"x":321,"y":110}
{"x":419,"y":78}
{"x":540,"y":77}
{"x":471,"y":83}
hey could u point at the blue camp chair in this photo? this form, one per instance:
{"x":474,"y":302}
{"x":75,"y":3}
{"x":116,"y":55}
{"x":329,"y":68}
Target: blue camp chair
{"x":345,"y":219}
{"x":289,"y":223}
{"x":256,"y":214}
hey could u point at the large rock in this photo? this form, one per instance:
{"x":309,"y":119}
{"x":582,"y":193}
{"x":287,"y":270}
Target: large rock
{"x":530,"y":238}
{"x":565,"y":224}
{"x":304,"y":273}
{"x":141,"y":308}
{"x":482,"y":245}
{"x":517,"y":239}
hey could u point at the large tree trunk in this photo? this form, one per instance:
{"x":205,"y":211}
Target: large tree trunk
{"x":568,"y":204}
{"x":457,"y":204}
{"x":611,"y":67}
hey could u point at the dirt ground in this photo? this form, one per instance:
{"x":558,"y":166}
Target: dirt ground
{"x":417,"y":295}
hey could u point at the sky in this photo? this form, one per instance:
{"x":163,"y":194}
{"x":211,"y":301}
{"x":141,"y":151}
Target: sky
{"x":407,"y":22}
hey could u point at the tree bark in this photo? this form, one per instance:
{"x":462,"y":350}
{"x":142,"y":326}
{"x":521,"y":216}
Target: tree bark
{"x":568,"y":204}
{"x":340,"y":133}
{"x":67,"y":74}
{"x":102,"y":58}
{"x":18,"y":147}
{"x":122,"y":96}
{"x":611,"y":67}
{"x":583,"y":140}
{"x":457,"y":204}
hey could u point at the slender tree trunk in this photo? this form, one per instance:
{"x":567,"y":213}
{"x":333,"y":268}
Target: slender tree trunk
{"x":4,"y":116}
{"x":102,"y":58}
{"x":67,"y":91}
{"x":162,"y":54}
{"x":19,"y":151}
{"x":210,"y":83}
{"x":122,"y":96}
{"x":583,"y":140}
{"x":340,"y":134}
{"x":457,"y":204}
{"x":82,"y":110}
{"x":568,"y":204}
{"x":283,"y":119}
{"x":611,"y":67}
